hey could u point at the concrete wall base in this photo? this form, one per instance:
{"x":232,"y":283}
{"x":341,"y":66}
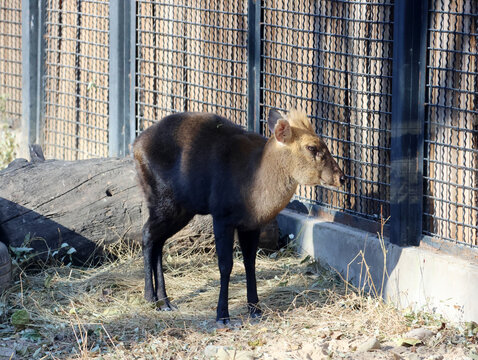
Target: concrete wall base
{"x":422,"y":278}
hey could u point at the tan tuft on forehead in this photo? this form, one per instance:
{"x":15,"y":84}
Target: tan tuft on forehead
{"x":299,"y":119}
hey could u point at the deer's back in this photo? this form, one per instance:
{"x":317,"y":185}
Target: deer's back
{"x":205,"y":159}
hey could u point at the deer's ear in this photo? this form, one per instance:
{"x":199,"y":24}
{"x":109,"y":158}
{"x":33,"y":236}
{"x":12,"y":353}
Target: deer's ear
{"x":282,"y":131}
{"x":274,"y":115}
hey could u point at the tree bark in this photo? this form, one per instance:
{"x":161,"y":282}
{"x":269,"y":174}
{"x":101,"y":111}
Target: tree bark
{"x":85,"y":204}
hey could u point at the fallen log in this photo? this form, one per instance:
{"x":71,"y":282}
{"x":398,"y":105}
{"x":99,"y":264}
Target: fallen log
{"x":85,"y":204}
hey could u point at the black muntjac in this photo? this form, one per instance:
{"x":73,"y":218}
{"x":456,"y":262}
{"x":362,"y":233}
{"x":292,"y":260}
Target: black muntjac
{"x":200,"y":163}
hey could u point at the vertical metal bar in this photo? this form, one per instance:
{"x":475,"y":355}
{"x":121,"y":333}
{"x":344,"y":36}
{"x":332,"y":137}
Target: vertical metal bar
{"x":408,"y":116}
{"x":254,"y":65}
{"x":40,"y":123}
{"x":32,"y":71}
{"x":132,"y":72}
{"x":119,"y":78}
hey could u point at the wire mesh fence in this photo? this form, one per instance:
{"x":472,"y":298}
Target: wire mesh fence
{"x":334,"y":60}
{"x":191,"y":58}
{"x":11,"y":62}
{"x":451,"y":136}
{"x":75,"y":115}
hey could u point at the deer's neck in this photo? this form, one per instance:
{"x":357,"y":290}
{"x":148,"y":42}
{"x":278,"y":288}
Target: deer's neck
{"x":272,"y":185}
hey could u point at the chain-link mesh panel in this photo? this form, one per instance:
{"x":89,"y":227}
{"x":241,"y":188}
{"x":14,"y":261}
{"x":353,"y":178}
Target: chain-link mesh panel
{"x":11,"y":62}
{"x":451,"y":137}
{"x":334,"y":60}
{"x":76,"y":79}
{"x":191,"y":58}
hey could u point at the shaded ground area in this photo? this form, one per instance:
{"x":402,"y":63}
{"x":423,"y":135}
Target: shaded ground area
{"x":67,"y":313}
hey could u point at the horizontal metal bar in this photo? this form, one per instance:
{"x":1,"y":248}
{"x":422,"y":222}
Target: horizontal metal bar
{"x":318,"y":32}
{"x":73,"y":136}
{"x":86,"y":42}
{"x":183,"y":22}
{"x":13,"y":101}
{"x":351,"y":125}
{"x":18,"y":24}
{"x":351,"y":195}
{"x":13,"y":9}
{"x":461,"y":52}
{"x":75,"y":95}
{"x":455,"y":70}
{"x":74,"y":122}
{"x":454,"y":108}
{"x":13,"y":49}
{"x":461,"y":91}
{"x":72,"y":12}
{"x":451,"y":221}
{"x":74,"y":81}
{"x":185,"y":52}
{"x":453,"y":32}
{"x":327,"y":16}
{"x":372,"y":111}
{"x":325,"y":85}
{"x":205,"y":87}
{"x":340,"y":71}
{"x":75,"y":28}
{"x":75,"y":109}
{"x":73,"y":67}
{"x":451,"y":146}
{"x":11,"y":35}
{"x":343,"y":208}
{"x":189,"y":7}
{"x":185,"y":68}
{"x":75,"y":150}
{"x":348,"y":55}
{"x":63,"y":52}
{"x":449,"y":183}
{"x":448,"y":12}
{"x":195,"y":101}
{"x":439,"y":202}
{"x":13,"y":87}
{"x":14,"y":113}
{"x":184,"y":37}
{"x":454,"y":242}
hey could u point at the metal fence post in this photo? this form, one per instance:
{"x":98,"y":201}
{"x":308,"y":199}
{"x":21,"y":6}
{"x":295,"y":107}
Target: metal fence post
{"x":33,"y":13}
{"x":132,"y":71}
{"x":120,"y":77}
{"x":254,"y":65}
{"x":408,"y":114}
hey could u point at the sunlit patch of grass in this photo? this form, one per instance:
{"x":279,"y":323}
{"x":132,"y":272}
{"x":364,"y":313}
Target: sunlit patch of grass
{"x":100,"y":311}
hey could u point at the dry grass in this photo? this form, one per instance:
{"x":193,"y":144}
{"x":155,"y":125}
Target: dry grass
{"x":100,"y":312}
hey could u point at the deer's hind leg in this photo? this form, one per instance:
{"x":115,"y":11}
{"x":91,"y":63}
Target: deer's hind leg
{"x":165,"y":219}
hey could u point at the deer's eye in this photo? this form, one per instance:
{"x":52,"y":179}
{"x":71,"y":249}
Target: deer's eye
{"x":313,"y":150}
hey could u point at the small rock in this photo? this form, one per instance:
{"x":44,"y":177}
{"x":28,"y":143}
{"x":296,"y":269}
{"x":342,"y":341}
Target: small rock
{"x":369,"y":345}
{"x":420,"y":334}
{"x":400,"y":349}
{"x":435,"y":357}
{"x":243,"y":355}
{"x":213,"y":350}
{"x":226,"y":353}
{"x":311,"y":351}
{"x":396,"y":356}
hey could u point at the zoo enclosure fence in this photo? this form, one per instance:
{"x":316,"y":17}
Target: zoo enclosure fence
{"x":87,"y":76}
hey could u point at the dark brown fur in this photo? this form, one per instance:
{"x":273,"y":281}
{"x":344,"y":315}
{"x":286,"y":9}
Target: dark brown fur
{"x":195,"y":163}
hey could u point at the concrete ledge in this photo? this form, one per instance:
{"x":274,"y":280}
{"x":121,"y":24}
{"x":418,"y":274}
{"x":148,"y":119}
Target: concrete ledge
{"x":421,"y":277}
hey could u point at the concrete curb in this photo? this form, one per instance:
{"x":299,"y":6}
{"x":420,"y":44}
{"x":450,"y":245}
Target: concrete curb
{"x":421,"y":277}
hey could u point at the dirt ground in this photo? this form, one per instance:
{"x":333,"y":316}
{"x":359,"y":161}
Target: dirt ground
{"x":62,"y":312}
